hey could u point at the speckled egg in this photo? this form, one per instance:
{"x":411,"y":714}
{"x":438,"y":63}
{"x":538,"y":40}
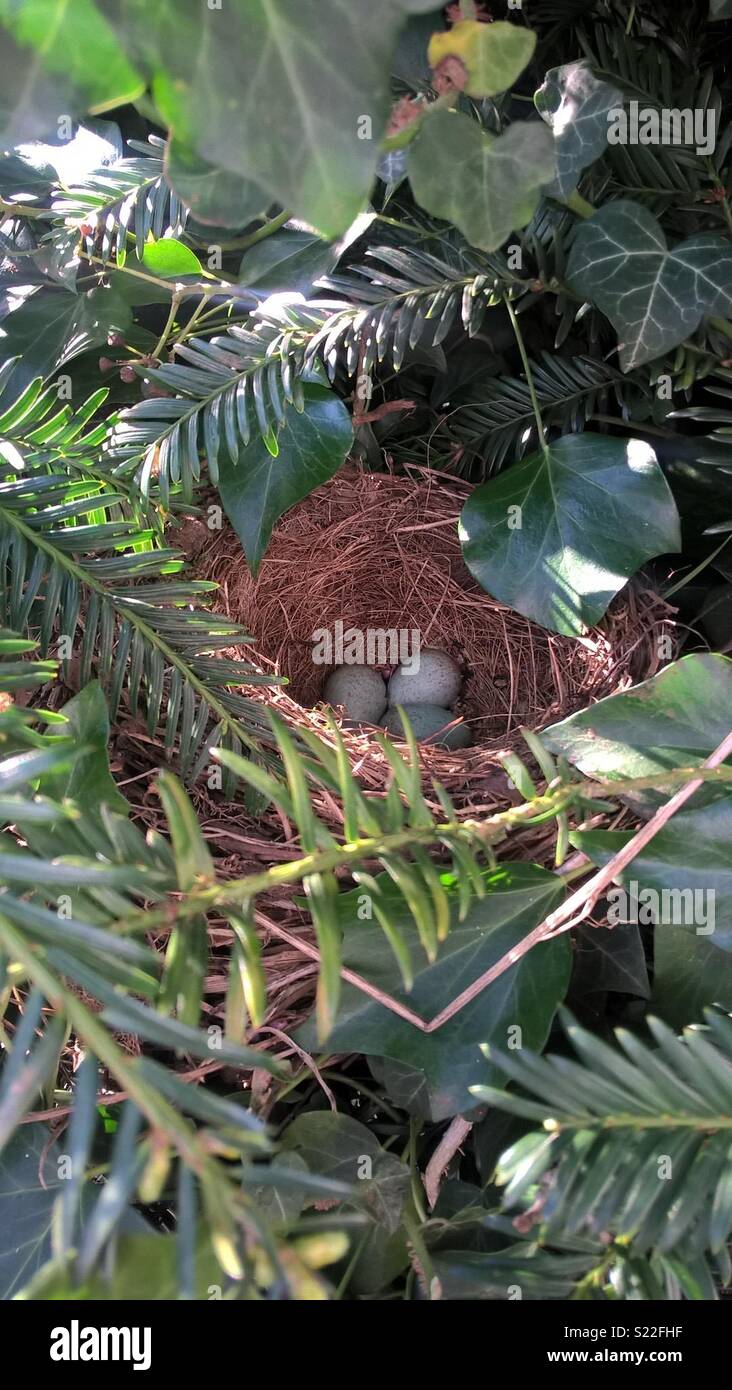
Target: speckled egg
{"x":360,"y":690}
{"x":426,"y":721}
{"x":437,"y":681}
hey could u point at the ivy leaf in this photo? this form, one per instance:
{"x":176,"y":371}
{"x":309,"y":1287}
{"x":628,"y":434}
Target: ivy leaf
{"x":655,"y":298}
{"x":609,"y":960}
{"x":56,"y":58}
{"x":487,"y":185}
{"x":90,"y":782}
{"x":493,"y":55}
{"x":26,"y":1207}
{"x":288,"y":262}
{"x":258,"y":488}
{"x":213,"y":195}
{"x":675,"y":719}
{"x":171,"y":258}
{"x":576,"y":105}
{"x":335,"y":1146}
{"x":21,"y":178}
{"x":53,"y":326}
{"x":518,"y":897}
{"x":291,"y":96}
{"x":404,"y":1085}
{"x":689,"y":974}
{"x":592,"y":510}
{"x":688,"y":857}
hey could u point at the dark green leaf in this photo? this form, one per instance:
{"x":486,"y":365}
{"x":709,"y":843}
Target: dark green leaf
{"x":290,"y":260}
{"x":258,"y":488}
{"x":90,"y":782}
{"x":689,"y":974}
{"x":654,"y":298}
{"x":339,"y":1147}
{"x":609,"y":960}
{"x":675,"y":719}
{"x":53,"y":326}
{"x":557,"y":535}
{"x":213,"y":195}
{"x":576,"y":104}
{"x":318,"y":69}
{"x":517,"y":898}
{"x":687,"y":864}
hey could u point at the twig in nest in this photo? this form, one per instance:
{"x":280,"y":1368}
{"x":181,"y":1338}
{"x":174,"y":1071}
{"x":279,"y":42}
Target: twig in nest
{"x":382,"y":410}
{"x":455,"y":1134}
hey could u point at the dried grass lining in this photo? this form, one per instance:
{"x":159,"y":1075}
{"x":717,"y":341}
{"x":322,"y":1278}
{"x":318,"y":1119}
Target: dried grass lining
{"x":382,"y":552}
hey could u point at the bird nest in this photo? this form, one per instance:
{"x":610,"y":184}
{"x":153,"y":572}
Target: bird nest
{"x":378,"y":553}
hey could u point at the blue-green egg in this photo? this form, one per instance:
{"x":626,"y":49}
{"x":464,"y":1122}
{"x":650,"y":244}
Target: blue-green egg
{"x":427,"y":722}
{"x":360,"y":690}
{"x":436,"y":681}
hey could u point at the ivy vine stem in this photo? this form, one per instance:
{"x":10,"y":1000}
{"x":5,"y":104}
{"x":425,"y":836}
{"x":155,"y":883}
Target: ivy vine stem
{"x":162,"y":340}
{"x":267,"y":229}
{"x":529,"y":376}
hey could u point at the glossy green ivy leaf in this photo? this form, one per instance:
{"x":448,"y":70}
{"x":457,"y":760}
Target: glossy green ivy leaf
{"x":609,"y":960}
{"x":289,"y":261}
{"x":675,"y":719}
{"x":493,"y":55}
{"x":258,"y":488}
{"x":58,"y":58}
{"x":292,"y":95}
{"x":54,"y":326}
{"x":90,"y":783}
{"x":26,"y":1208}
{"x":284,"y":1199}
{"x":518,"y":897}
{"x":337,"y":1146}
{"x":654,"y":297}
{"x":487,"y":185}
{"x":558,"y":534}
{"x":214,"y":195}
{"x":170,"y":258}
{"x":575,"y":105}
{"x":689,"y":974}
{"x":404,"y":1085}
